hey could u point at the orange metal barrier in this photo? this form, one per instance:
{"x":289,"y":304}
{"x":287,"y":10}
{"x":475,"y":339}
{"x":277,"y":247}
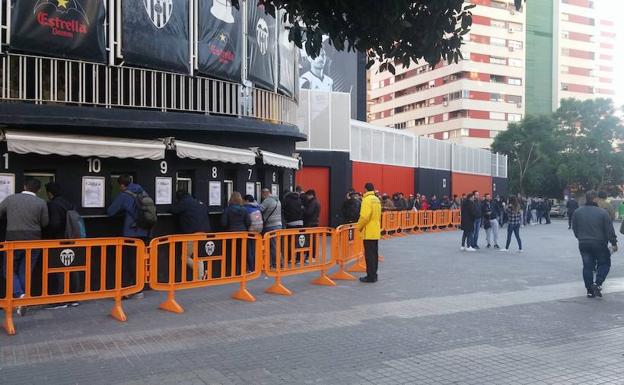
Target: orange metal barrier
{"x":425,"y":220}
{"x":409,"y":220}
{"x":88,"y":269}
{"x":350,"y":247}
{"x":390,"y":223}
{"x":456,"y":218}
{"x":442,"y":219}
{"x":299,"y":251}
{"x":192,"y":261}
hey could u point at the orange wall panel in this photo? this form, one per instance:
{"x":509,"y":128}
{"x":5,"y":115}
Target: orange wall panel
{"x":387,"y":179}
{"x":466,"y":183}
{"x":317,"y":179}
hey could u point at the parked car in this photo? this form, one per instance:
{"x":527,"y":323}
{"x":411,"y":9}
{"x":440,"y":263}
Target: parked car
{"x":558,"y":211}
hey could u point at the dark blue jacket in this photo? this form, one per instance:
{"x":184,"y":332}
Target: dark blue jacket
{"x":235,"y":218}
{"x":192,"y":215}
{"x":126,"y":205}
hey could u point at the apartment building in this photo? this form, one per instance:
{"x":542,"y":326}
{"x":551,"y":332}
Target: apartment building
{"x":570,"y":53}
{"x":468,"y":102}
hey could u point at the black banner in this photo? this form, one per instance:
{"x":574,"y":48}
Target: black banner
{"x":220,"y":38}
{"x":261,"y":47}
{"x":156,"y":34}
{"x":72,"y":29}
{"x":287,"y":58}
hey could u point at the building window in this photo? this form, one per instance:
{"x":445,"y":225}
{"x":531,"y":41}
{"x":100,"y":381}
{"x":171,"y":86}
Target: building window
{"x":445,"y":135}
{"x":498,"y":24}
{"x":498,"y":60}
{"x":515,"y":27}
{"x":497,"y":79}
{"x":465,"y":132}
{"x":514,"y":117}
{"x":564,"y":87}
{"x":497,"y":42}
{"x":515,"y":62}
{"x":515,"y":99}
{"x":496,"y":98}
{"x":497,"y":115}
{"x":515,"y":44}
{"x":565,"y":34}
{"x":498,"y":4}
{"x":514,"y":81}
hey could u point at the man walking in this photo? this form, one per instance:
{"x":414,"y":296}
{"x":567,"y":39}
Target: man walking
{"x":593,"y":228}
{"x":26,"y":216}
{"x":571,"y":207}
{"x":369,"y":226}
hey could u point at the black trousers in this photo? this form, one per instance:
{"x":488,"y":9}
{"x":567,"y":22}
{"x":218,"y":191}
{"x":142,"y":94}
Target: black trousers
{"x":371,"y":254}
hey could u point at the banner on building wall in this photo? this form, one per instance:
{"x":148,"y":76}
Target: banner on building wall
{"x":220,"y":38}
{"x":156,"y":34}
{"x":261,"y":47}
{"x":287,"y":55}
{"x":332,"y":71}
{"x":72,"y":29}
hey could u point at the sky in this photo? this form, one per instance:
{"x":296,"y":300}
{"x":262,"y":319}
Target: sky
{"x":609,"y":9}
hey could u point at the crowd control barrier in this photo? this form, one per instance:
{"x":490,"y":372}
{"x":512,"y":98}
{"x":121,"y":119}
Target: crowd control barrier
{"x":425,"y":220}
{"x":71,"y":271}
{"x":390,"y":223}
{"x":349,"y":248}
{"x":442,"y":219}
{"x":299,"y":251}
{"x":409,"y":220}
{"x":456,"y":218}
{"x":190,"y":261}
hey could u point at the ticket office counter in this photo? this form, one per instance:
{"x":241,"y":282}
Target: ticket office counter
{"x":91,"y":184}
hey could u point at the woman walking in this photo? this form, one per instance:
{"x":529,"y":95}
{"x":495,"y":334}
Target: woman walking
{"x":514,"y":220}
{"x":467,"y":222}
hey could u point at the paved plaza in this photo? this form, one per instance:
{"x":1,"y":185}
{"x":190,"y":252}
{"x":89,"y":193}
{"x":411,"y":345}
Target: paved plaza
{"x":436,"y":316}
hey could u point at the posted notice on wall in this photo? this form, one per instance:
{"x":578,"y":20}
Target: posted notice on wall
{"x":275,"y":189}
{"x":250,"y":189}
{"x":93,"y":188}
{"x":164,"y":190}
{"x":7,"y":185}
{"x":214,"y":193}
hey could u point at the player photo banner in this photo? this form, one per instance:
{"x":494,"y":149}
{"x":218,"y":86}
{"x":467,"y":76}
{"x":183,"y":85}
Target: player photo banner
{"x":72,"y":29}
{"x":261,"y":47}
{"x":287,"y":58}
{"x":220,"y":38}
{"x":156,"y":34}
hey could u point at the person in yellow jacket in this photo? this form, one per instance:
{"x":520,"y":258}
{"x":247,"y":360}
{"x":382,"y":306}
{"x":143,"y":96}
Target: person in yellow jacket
{"x":369,"y":226}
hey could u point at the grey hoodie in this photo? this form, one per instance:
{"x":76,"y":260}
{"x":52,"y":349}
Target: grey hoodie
{"x":271,"y":209}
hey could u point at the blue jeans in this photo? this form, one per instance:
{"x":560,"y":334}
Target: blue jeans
{"x":595,"y":253}
{"x":475,"y":235}
{"x":516,"y":230}
{"x":272,"y":243}
{"x":19,"y":270}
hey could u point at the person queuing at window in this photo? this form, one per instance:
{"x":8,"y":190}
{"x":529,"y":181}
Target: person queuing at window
{"x":292,"y":207}
{"x":271,"y":209}
{"x":255,"y":215}
{"x":27,"y":216}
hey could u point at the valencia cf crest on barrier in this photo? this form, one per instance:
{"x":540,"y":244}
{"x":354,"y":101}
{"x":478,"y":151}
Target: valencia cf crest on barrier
{"x":67,"y":257}
{"x":159,"y":11}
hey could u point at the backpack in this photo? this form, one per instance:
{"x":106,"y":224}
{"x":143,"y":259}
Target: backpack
{"x":146,"y":215}
{"x":74,"y":225}
{"x":257,"y":224}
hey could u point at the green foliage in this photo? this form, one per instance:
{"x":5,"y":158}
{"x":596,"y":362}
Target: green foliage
{"x":578,"y":147}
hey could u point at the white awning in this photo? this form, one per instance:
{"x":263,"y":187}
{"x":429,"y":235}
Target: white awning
{"x":22,"y":142}
{"x":214,"y":153}
{"x":278,"y":160}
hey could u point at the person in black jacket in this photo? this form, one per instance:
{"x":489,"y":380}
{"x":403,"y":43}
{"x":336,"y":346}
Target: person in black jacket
{"x":235,"y":218}
{"x":58,"y":207}
{"x":191,"y":214}
{"x":312,"y":210}
{"x":478,"y":216}
{"x":571,"y":206}
{"x":467,"y":222}
{"x":292,"y":209}
{"x":351,"y":208}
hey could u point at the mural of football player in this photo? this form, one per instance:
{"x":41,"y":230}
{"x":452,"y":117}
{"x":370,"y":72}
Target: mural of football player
{"x":315,"y":78}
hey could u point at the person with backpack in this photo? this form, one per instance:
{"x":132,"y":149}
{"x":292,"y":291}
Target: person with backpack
{"x":140,"y":217}
{"x":255,"y":215}
{"x":64,"y":223}
{"x":234,"y":219}
{"x":192,"y":217}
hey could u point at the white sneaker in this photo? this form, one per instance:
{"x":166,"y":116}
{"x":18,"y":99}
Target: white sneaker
{"x":21,"y":310}
{"x":470,"y":249}
{"x":520,"y":251}
{"x":504,"y":250}
{"x":462,"y":248}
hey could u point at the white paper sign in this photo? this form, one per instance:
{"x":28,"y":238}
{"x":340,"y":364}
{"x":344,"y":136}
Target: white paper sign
{"x":275,"y":190}
{"x":164,"y":190}
{"x":250,"y":189}
{"x":214,"y":193}
{"x":93,"y":191}
{"x":7,"y":185}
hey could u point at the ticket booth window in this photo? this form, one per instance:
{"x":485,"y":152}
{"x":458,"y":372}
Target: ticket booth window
{"x":229,"y":189}
{"x":114,"y":185}
{"x":44,"y":178}
{"x":184,"y":182}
